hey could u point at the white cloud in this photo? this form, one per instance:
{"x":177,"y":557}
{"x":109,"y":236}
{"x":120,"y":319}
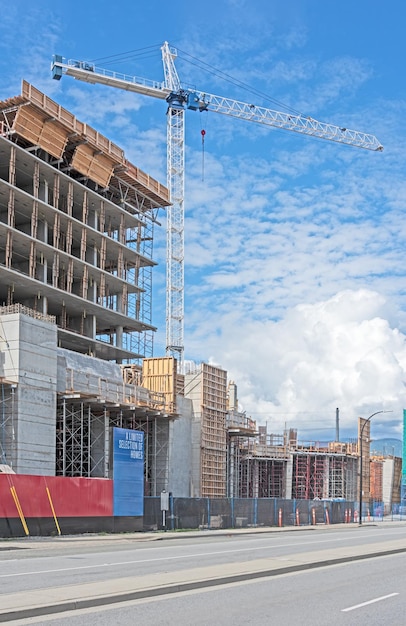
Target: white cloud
{"x":341,"y":352}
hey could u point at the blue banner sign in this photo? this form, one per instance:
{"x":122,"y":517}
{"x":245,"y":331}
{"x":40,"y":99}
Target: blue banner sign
{"x":128,"y":472}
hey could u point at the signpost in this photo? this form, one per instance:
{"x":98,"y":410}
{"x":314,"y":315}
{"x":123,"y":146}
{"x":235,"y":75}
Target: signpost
{"x":164,"y":506}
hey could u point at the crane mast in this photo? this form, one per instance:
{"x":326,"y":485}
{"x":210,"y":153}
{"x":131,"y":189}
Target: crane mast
{"x":175,"y":174}
{"x":179,"y":99}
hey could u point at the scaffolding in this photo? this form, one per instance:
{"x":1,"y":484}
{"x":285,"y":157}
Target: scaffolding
{"x":319,"y":476}
{"x":261,"y":478}
{"x":91,"y":405}
{"x":308,"y":475}
{"x":257,"y":462}
{"x":7,"y":425}
{"x":83,"y":440}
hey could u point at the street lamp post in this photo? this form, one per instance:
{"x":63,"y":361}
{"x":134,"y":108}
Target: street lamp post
{"x":360,"y":462}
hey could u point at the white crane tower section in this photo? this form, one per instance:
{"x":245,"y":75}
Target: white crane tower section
{"x":179,"y":99}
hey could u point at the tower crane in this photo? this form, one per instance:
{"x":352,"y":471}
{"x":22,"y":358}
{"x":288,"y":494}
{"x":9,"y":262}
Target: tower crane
{"x":179,"y":99}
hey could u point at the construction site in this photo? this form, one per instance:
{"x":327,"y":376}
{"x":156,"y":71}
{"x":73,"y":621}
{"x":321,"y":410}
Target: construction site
{"x":77,"y":224}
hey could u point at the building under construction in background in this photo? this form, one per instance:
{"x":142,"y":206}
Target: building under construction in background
{"x":268,"y":465}
{"x":76,"y":332}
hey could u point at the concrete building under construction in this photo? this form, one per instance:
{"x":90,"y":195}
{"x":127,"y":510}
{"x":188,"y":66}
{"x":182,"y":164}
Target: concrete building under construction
{"x":76,"y":332}
{"x":76,"y":235}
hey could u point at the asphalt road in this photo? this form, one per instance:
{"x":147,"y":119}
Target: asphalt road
{"x":366,"y":593}
{"x":89,"y":571}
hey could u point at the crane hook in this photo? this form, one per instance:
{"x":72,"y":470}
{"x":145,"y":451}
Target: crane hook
{"x":202,"y":132}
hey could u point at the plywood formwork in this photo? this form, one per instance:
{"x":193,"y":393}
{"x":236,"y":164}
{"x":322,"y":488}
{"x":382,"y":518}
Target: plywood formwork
{"x":213,"y":432}
{"x":46,"y":124}
{"x":376,"y":479}
{"x":206,"y":386}
{"x":35,"y":126}
{"x":98,"y":167}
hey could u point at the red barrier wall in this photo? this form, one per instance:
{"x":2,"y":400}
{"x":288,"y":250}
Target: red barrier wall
{"x":71,"y":497}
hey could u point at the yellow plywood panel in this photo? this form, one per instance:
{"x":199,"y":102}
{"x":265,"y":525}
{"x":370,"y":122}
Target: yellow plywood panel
{"x":159,"y":375}
{"x":82,"y":159}
{"x":103,"y":167}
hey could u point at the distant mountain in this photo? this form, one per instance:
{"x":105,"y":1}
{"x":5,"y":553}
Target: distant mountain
{"x":387,"y":447}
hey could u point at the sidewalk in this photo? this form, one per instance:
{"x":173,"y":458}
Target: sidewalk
{"x":34,"y":542}
{"x":23,"y":605}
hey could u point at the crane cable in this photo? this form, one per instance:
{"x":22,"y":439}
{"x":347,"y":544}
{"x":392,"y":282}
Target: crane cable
{"x":185,"y":56}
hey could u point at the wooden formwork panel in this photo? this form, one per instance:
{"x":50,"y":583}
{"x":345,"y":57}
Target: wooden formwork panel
{"x":53,"y":110}
{"x":143,"y":182}
{"x":50,"y":107}
{"x":45,"y":123}
{"x":34,"y":126}
{"x":102,"y":143}
{"x":97,"y":167}
{"x":376,"y":479}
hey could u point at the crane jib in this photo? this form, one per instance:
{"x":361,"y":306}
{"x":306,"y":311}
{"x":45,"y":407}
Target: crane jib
{"x":179,"y":99}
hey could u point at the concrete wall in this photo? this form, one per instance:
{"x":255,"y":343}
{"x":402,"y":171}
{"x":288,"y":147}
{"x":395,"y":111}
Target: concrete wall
{"x":193,"y":390}
{"x":29,"y":358}
{"x":388,"y":471}
{"x":180,"y":450}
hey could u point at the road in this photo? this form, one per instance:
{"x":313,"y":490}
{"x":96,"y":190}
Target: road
{"x":367,"y":593}
{"x":73,"y":571}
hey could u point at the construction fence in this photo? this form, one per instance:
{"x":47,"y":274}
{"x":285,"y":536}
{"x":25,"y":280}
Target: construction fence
{"x":217,"y":513}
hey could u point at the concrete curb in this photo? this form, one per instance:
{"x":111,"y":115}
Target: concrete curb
{"x":38,"y":542}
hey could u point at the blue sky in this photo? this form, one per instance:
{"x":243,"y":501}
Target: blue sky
{"x":294,"y":266}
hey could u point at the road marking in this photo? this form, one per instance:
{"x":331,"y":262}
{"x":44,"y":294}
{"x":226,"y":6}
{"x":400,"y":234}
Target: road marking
{"x":229,"y":550}
{"x":157,"y":559}
{"x":358,"y":606}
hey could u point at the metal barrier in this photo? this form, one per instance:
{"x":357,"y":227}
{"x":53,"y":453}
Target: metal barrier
{"x":217,"y":513}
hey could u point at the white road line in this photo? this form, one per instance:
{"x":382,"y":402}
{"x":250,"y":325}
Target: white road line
{"x":157,"y":559}
{"x":358,"y":606}
{"x":186,"y":556}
